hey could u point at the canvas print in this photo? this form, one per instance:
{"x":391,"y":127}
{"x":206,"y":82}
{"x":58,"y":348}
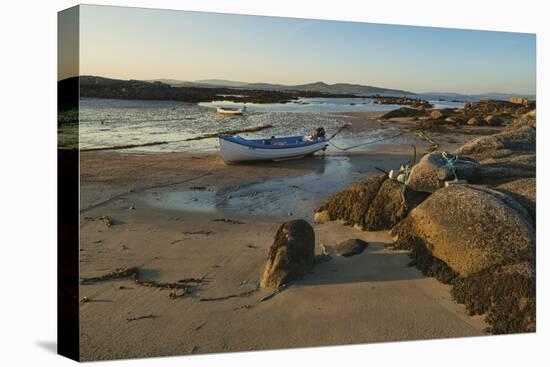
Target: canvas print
{"x":239,"y":183}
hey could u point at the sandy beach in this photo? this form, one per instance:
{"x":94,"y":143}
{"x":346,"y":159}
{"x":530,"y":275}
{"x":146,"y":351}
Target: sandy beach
{"x":179,"y":216}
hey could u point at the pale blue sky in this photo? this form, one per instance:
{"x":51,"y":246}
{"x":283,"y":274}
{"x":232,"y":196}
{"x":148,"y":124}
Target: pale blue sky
{"x":135,"y":43}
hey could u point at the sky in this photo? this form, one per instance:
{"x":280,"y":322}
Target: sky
{"x":136,"y":43}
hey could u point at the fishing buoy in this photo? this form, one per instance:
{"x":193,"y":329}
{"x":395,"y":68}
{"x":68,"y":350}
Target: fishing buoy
{"x":401,"y":178}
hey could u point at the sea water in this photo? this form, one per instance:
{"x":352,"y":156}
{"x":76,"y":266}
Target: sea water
{"x":113,"y":122}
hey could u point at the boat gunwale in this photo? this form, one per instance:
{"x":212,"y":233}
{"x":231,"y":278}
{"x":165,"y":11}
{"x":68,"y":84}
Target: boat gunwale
{"x":305,"y":143}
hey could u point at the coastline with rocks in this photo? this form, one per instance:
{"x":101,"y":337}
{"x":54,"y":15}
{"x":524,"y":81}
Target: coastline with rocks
{"x":181,"y":254}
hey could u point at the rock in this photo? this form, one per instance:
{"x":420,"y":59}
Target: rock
{"x":401,"y":101}
{"x":351,"y":247}
{"x":404,"y":112}
{"x":474,"y":121}
{"x":529,"y":103}
{"x":441,"y":113}
{"x":522,"y":139}
{"x":492,"y":120}
{"x":528,"y":119}
{"x":451,"y":120}
{"x":488,"y":106}
{"x":352,"y":204}
{"x":496,"y":171}
{"x":524,"y":192}
{"x":388,"y":207}
{"x":470,"y":228}
{"x":499,"y":175}
{"x":291,"y":255}
{"x":436,"y":114}
{"x":430,"y":172}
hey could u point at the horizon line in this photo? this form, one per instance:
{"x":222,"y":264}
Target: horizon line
{"x":290,"y":85}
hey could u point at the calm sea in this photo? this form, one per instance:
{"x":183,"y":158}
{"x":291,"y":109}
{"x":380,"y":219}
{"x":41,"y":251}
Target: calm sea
{"x":112,"y":122}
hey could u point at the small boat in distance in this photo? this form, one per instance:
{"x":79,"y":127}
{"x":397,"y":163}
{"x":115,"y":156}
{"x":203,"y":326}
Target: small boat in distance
{"x":236,"y":149}
{"x":230,"y":110}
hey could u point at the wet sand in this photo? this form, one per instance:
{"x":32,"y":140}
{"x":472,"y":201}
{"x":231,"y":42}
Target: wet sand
{"x":166,"y":209}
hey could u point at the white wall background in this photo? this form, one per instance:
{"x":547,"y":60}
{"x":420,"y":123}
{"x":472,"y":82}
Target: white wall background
{"x":28,"y":69}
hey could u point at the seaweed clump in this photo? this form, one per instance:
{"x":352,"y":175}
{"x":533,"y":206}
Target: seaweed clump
{"x":505,"y":293}
{"x":430,"y":266}
{"x":352,"y":204}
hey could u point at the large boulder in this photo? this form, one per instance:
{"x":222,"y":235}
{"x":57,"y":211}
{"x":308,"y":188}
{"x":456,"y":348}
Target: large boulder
{"x":352,"y":204}
{"x":390,"y":205}
{"x":291,"y":255}
{"x":470,"y":228}
{"x":429,"y":174}
{"x":518,"y":140}
{"x":350,"y":247}
{"x":524,"y":192}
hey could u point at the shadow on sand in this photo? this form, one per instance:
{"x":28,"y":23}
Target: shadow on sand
{"x":374,"y":265}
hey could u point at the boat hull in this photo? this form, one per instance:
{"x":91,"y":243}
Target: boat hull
{"x":234,"y":153}
{"x":229,"y":112}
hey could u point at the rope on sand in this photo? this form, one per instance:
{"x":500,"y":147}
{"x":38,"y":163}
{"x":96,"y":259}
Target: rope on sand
{"x":366,"y":143}
{"x":118,"y":196}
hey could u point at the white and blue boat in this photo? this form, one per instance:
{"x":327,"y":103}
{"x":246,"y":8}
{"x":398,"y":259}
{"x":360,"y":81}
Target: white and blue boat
{"x":235,"y":149}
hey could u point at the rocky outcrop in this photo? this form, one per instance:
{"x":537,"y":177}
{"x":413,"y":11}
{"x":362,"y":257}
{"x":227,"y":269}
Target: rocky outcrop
{"x":524,"y":192}
{"x":352,"y":204}
{"x":403,"y":112}
{"x":495,"y":107}
{"x":499,"y":145}
{"x":390,"y":205}
{"x":493,"y":120}
{"x":291,"y":255}
{"x":528,"y":119}
{"x":529,"y":103}
{"x":402,"y":101}
{"x":441,"y":113}
{"x":430,"y":173}
{"x":470,"y":228}
{"x":376,"y":204}
{"x":497,"y":171}
{"x":350,"y":247}
{"x":474,"y":121}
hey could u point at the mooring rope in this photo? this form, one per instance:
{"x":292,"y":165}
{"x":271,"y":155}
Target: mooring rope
{"x":366,"y":143}
{"x":450,"y":160}
{"x":189,"y":179}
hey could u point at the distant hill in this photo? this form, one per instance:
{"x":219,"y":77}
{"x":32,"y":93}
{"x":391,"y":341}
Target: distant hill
{"x":221,"y":83}
{"x":322,"y":87}
{"x":100,"y":87}
{"x":317,"y":87}
{"x":338,"y":88}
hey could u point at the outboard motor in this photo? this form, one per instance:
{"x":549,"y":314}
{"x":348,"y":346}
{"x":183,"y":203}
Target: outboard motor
{"x":319,"y":133}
